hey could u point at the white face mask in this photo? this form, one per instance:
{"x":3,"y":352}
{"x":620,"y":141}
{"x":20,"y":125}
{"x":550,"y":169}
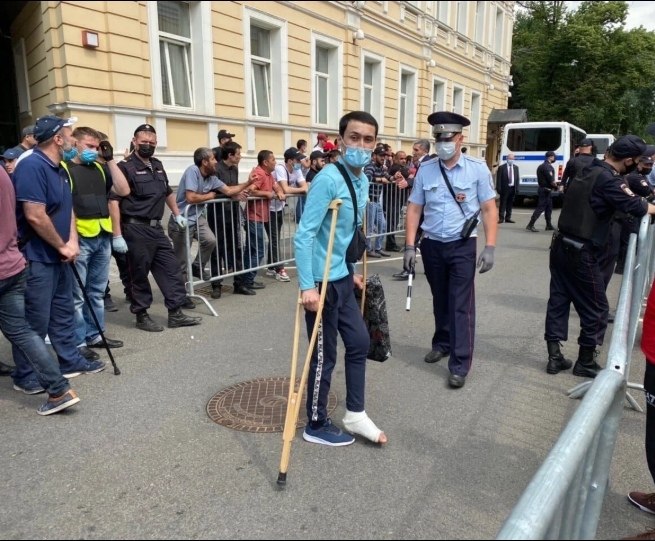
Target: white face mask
{"x":446,"y":150}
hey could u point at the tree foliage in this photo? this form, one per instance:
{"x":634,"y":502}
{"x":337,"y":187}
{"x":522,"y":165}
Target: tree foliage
{"x":583,"y":66}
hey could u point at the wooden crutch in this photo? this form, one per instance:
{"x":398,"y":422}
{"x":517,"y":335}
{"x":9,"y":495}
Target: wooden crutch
{"x":295,"y":395}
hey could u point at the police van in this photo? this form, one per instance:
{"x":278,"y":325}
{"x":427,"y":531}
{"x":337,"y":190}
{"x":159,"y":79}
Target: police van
{"x":529,"y":142}
{"x":601,"y":142}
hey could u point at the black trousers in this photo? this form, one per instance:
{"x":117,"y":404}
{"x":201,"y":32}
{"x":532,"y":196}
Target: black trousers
{"x":649,"y":389}
{"x":506,"y":203}
{"x":225,"y":222}
{"x":273,"y":228}
{"x":150,"y":250}
{"x":544,"y":205}
{"x":607,"y":259}
{"x":576,"y":277}
{"x":123,"y":272}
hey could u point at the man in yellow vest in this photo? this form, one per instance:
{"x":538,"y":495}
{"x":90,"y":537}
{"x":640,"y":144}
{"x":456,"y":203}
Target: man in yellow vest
{"x":90,"y":184}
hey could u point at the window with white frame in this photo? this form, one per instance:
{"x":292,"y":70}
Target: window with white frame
{"x":407,"y":102}
{"x":474,"y":130}
{"x":326,"y":84}
{"x":438,"y":95}
{"x":500,"y":16}
{"x":442,"y":12}
{"x":265,"y":56}
{"x":174,"y":26}
{"x":372,"y":85}
{"x":458,"y":100}
{"x":479,"y":22}
{"x":462,"y":15}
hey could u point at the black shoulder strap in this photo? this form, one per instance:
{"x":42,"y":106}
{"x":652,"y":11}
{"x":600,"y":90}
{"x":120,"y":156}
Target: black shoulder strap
{"x":450,"y":188}
{"x":349,"y":183}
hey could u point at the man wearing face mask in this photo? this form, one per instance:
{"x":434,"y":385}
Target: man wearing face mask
{"x":91,"y":184}
{"x":452,"y":191}
{"x":577,"y":247}
{"x":49,"y":240}
{"x":141,"y":235}
{"x":546,"y":180}
{"x":506,"y":178}
{"x":584,"y":155}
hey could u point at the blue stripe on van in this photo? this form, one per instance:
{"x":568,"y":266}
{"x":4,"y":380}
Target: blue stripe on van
{"x":559,"y":157}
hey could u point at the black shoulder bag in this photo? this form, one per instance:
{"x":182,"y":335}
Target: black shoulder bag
{"x":470,"y":223}
{"x":357,"y":245}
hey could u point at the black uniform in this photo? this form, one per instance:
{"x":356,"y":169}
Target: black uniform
{"x":149,"y":249}
{"x":574,"y":167}
{"x":576,"y":277}
{"x":546,"y":180}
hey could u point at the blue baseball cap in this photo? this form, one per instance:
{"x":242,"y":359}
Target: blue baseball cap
{"x":48,"y":126}
{"x":11,"y":153}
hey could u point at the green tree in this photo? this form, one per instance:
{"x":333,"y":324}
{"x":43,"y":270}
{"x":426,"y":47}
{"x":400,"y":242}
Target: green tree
{"x":583,"y":66}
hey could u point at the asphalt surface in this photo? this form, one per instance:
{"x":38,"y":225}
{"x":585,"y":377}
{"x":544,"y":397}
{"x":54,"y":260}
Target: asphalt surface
{"x":139,"y":457}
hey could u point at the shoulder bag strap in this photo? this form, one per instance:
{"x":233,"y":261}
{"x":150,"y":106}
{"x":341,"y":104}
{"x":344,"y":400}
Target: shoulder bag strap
{"x":450,"y":188}
{"x":349,"y":183}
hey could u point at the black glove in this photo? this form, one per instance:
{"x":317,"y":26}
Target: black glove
{"x":106,"y":151}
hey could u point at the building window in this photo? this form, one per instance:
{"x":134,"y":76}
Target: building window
{"x":22,"y":85}
{"x":458,"y":100}
{"x":474,"y":130}
{"x":407,"y":102}
{"x":175,"y":53}
{"x":327,"y":86}
{"x":479,"y":22}
{"x":499,"y":32}
{"x":265,"y":60}
{"x":438,"y":96}
{"x":442,"y":12}
{"x":372,"y":96}
{"x":462,"y":15}
{"x":260,"y":58}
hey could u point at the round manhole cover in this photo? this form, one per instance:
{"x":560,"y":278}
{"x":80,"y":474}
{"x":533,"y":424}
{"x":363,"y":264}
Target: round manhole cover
{"x":259,"y":405}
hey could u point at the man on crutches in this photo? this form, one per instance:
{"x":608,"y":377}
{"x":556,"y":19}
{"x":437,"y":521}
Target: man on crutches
{"x":339,"y":314}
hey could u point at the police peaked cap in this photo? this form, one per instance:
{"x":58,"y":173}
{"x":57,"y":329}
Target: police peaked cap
{"x":447,"y":124}
{"x":146,"y":128}
{"x":628,"y":146}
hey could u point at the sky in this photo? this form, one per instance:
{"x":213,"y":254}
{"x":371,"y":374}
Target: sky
{"x":639,"y":13}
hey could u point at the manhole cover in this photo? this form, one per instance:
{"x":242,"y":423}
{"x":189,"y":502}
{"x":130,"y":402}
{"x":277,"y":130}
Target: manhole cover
{"x":259,"y":405}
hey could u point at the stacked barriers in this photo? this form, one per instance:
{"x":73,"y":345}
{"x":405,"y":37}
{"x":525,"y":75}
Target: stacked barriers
{"x":564,"y":498}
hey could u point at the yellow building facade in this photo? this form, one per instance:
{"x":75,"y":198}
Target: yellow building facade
{"x":269,"y":72}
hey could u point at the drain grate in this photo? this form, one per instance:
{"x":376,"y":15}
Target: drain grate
{"x":258,"y":405}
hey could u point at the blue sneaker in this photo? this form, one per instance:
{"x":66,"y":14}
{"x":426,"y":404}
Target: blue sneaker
{"x":89,"y":367}
{"x":30,"y":387}
{"x":328,"y":434}
{"x":58,"y":403}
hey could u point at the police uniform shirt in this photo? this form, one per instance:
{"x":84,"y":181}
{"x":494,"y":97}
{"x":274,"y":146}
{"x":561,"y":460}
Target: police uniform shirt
{"x":546,"y":175}
{"x":148,"y":188}
{"x":192,"y":180}
{"x":611,"y":193}
{"x":471,"y":181}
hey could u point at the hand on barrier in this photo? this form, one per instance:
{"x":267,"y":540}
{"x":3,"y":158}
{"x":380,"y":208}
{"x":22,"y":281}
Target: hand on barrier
{"x":106,"y":151}
{"x":181,"y":221}
{"x":119,"y":245}
{"x":409,"y":258}
{"x":486,"y":259}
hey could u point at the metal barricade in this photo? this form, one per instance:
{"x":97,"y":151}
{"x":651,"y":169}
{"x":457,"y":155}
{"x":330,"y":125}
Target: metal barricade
{"x":564,"y":498}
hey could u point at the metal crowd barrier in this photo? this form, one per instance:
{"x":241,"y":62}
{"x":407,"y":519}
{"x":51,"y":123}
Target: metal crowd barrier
{"x":228,"y":222}
{"x":564,"y":498}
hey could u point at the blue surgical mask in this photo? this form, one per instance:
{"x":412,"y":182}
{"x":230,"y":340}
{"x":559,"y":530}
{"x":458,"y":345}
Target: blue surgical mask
{"x":88,"y":156}
{"x":510,"y":162}
{"x":297,"y":166}
{"x":69,"y":154}
{"x":446,"y":150}
{"x":357,"y":157}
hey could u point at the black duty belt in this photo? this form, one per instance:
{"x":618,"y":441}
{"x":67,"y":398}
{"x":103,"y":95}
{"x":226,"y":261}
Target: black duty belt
{"x":142,"y":221}
{"x":573,"y":243}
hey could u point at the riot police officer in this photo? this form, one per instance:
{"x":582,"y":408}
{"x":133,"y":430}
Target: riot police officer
{"x":148,"y":247}
{"x":547,"y":183}
{"x":575,"y":273}
{"x":579,"y":162}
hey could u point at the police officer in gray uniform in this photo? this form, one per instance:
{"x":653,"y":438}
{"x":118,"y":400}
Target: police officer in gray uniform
{"x":452,"y":190}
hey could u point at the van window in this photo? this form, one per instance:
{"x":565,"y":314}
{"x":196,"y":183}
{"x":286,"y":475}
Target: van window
{"x":601,"y":145}
{"x":534,"y":139}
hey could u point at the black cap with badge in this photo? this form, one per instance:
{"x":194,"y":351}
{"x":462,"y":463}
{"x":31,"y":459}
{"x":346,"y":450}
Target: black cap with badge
{"x":446,"y":124}
{"x":146,"y":128}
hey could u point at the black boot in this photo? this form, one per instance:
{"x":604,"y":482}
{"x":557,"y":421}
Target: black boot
{"x":549,"y":227}
{"x":556,"y":361}
{"x":531,"y":227}
{"x":144,"y":323}
{"x":177,"y":318}
{"x":586,"y":365}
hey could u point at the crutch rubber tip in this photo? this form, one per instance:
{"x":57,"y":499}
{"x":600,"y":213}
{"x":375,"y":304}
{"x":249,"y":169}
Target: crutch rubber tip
{"x":282,"y":479}
{"x":117,"y":372}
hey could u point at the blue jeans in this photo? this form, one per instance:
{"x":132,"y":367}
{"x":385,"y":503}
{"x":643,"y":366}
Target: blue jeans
{"x":14,"y":326}
{"x":256,"y":250}
{"x":49,"y":309}
{"x":375,"y":223}
{"x":93,"y":267}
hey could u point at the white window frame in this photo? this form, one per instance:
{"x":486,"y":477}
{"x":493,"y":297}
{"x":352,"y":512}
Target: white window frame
{"x":462,"y":17}
{"x":22,"y":81}
{"x":476,"y":111}
{"x":480,"y":12}
{"x":200,"y":58}
{"x":335,"y":80}
{"x":458,"y":91}
{"x":442,"y":12}
{"x":499,"y":33}
{"x":439,"y":106}
{"x":279,"y":102}
{"x":378,"y":87}
{"x":409,"y":129}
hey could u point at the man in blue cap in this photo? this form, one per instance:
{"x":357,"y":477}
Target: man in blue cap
{"x":452,"y":191}
{"x":9,"y":158}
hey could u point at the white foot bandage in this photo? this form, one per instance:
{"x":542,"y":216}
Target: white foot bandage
{"x":360,"y":423}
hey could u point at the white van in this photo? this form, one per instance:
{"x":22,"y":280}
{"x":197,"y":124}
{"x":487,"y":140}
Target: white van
{"x":529,"y":142}
{"x":601,"y":142}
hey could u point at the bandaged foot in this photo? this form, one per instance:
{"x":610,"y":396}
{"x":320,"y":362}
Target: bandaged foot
{"x":360,"y":423}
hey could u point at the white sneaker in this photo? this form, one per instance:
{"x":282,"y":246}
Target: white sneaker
{"x":270,"y":272}
{"x":282,"y":276}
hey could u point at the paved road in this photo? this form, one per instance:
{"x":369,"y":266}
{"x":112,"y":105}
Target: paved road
{"x":139,"y":458}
